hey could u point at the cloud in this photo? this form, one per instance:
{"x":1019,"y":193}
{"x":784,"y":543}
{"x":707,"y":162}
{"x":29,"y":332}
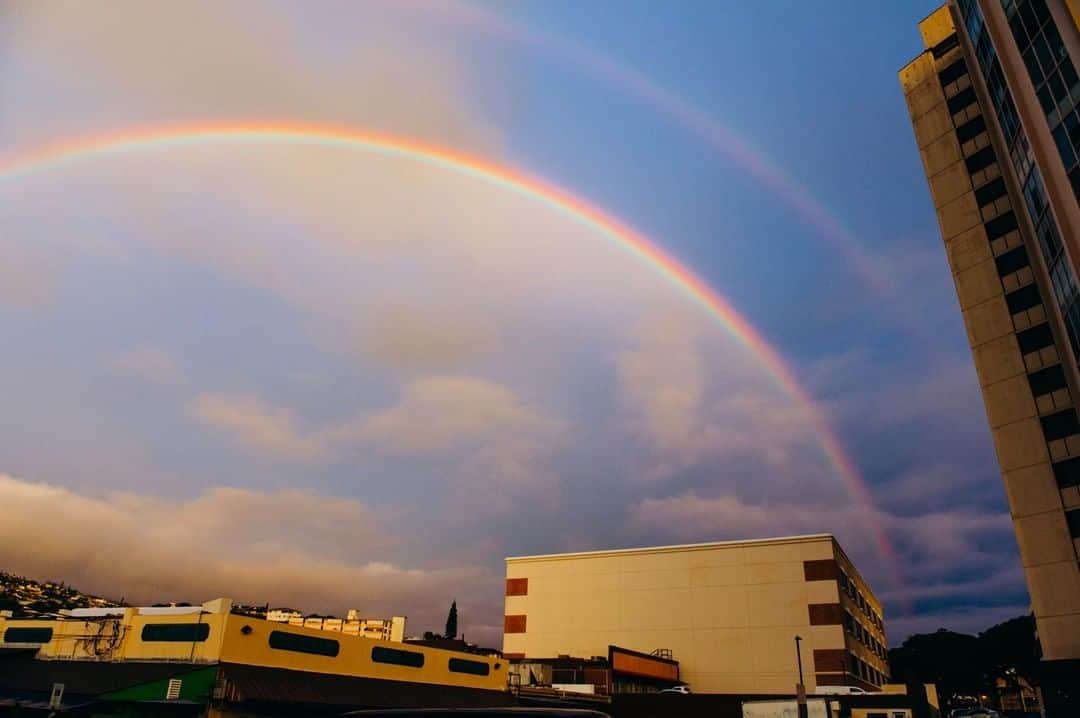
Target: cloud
{"x":22,"y":284}
{"x":417,"y":338}
{"x":970,"y":619}
{"x":493,"y":442}
{"x":257,"y":427}
{"x":196,"y":60}
{"x":299,"y":548}
{"x":684,"y":409}
{"x":147,"y":362}
{"x":955,"y":554}
{"x":436,"y":414}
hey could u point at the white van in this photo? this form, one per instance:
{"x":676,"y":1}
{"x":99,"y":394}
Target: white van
{"x":838,"y":690}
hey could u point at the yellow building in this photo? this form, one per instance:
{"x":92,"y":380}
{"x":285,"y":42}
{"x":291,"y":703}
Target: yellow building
{"x":728,"y":612}
{"x":256,"y":657}
{"x":994,"y":99}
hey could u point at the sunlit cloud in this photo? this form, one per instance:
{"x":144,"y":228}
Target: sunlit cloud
{"x":285,"y":547}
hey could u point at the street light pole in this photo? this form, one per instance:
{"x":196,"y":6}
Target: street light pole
{"x":800,"y":689}
{"x":798,"y":657}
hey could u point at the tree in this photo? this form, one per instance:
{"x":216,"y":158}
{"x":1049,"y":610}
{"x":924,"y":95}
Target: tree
{"x":451,"y":621}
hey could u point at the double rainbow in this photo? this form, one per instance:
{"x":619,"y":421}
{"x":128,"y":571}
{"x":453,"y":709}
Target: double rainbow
{"x":577,"y":209}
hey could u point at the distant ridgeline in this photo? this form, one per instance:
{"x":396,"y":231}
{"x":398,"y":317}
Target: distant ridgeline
{"x":27,"y":597}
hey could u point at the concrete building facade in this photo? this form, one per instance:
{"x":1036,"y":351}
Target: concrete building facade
{"x":728,"y":612}
{"x":994,"y":99}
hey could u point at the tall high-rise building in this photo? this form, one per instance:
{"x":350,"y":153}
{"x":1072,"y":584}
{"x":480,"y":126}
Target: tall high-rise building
{"x":995,"y":102}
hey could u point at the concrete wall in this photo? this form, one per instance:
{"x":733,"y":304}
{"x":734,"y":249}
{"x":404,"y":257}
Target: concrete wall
{"x":1025,"y":455}
{"x":728,"y":612}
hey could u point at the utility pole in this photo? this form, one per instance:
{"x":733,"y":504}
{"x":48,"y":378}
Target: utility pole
{"x":800,"y":687}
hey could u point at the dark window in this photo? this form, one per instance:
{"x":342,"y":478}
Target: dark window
{"x":1033,"y":67}
{"x":1045,"y":381}
{"x":1011,"y":261}
{"x":980,"y":160}
{"x":27,"y":635}
{"x":1059,"y":425}
{"x":298,"y":643}
{"x":1068,"y":74}
{"x":178,"y":632}
{"x":944,"y":46}
{"x":412,"y":659}
{"x":1053,"y":41}
{"x":476,"y":668}
{"x":1046,"y":56}
{"x":990,"y":191}
{"x":1072,"y":518}
{"x":953,"y":72}
{"x":1064,"y":147}
{"x":1067,"y":473}
{"x":1023,"y":298}
{"x":1001,"y":225}
{"x":970,"y":129}
{"x":961,"y":100}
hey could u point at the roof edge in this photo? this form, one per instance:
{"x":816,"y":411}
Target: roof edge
{"x":805,"y":538}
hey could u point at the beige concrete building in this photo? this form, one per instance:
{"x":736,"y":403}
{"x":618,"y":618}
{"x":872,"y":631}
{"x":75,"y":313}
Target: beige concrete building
{"x":995,"y":102}
{"x":728,"y":612}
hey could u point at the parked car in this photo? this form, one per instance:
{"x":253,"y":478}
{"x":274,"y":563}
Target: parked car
{"x":838,"y":690}
{"x":681,"y":690}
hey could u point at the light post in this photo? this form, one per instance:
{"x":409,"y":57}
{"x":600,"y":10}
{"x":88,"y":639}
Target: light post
{"x":800,"y":688}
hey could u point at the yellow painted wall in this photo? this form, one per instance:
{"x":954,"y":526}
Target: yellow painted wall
{"x":120,"y":638}
{"x":354,"y":656}
{"x":729,"y":613}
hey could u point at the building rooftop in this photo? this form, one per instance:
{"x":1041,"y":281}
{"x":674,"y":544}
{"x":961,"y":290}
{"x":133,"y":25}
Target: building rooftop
{"x":807,"y":538}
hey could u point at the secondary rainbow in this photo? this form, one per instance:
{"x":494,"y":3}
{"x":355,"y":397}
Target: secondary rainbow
{"x":85,"y":148}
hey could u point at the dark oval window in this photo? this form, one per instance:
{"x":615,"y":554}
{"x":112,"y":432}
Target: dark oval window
{"x":476,"y":668}
{"x":27,"y":635}
{"x":397,"y":657}
{"x":284,"y":641}
{"x":176,"y":632}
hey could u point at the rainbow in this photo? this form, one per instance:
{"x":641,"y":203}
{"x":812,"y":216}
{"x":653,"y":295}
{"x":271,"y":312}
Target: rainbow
{"x":692,"y":287}
{"x":680,"y":113}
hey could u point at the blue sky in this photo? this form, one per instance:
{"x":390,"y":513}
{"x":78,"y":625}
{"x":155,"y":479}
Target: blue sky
{"x":410,"y":374}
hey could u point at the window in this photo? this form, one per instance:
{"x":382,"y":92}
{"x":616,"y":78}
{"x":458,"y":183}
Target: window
{"x":1059,"y":425}
{"x":284,"y":641}
{"x":1001,"y":225}
{"x":397,"y":657}
{"x":944,"y":46}
{"x":1067,"y":473}
{"x":970,"y":129}
{"x":1023,"y":298}
{"x":1064,"y":147}
{"x":1011,"y":261}
{"x":990,"y":192}
{"x":1064,"y":282}
{"x":1072,"y":518}
{"x":961,"y":100}
{"x":1035,"y":338}
{"x":1045,"y":381}
{"x":176,"y":632}
{"x":953,"y":72}
{"x":476,"y":668}
{"x":980,"y":160}
{"x":28,"y":635}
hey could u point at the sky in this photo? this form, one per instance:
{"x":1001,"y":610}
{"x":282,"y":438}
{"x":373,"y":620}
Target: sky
{"x":333,"y":376}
